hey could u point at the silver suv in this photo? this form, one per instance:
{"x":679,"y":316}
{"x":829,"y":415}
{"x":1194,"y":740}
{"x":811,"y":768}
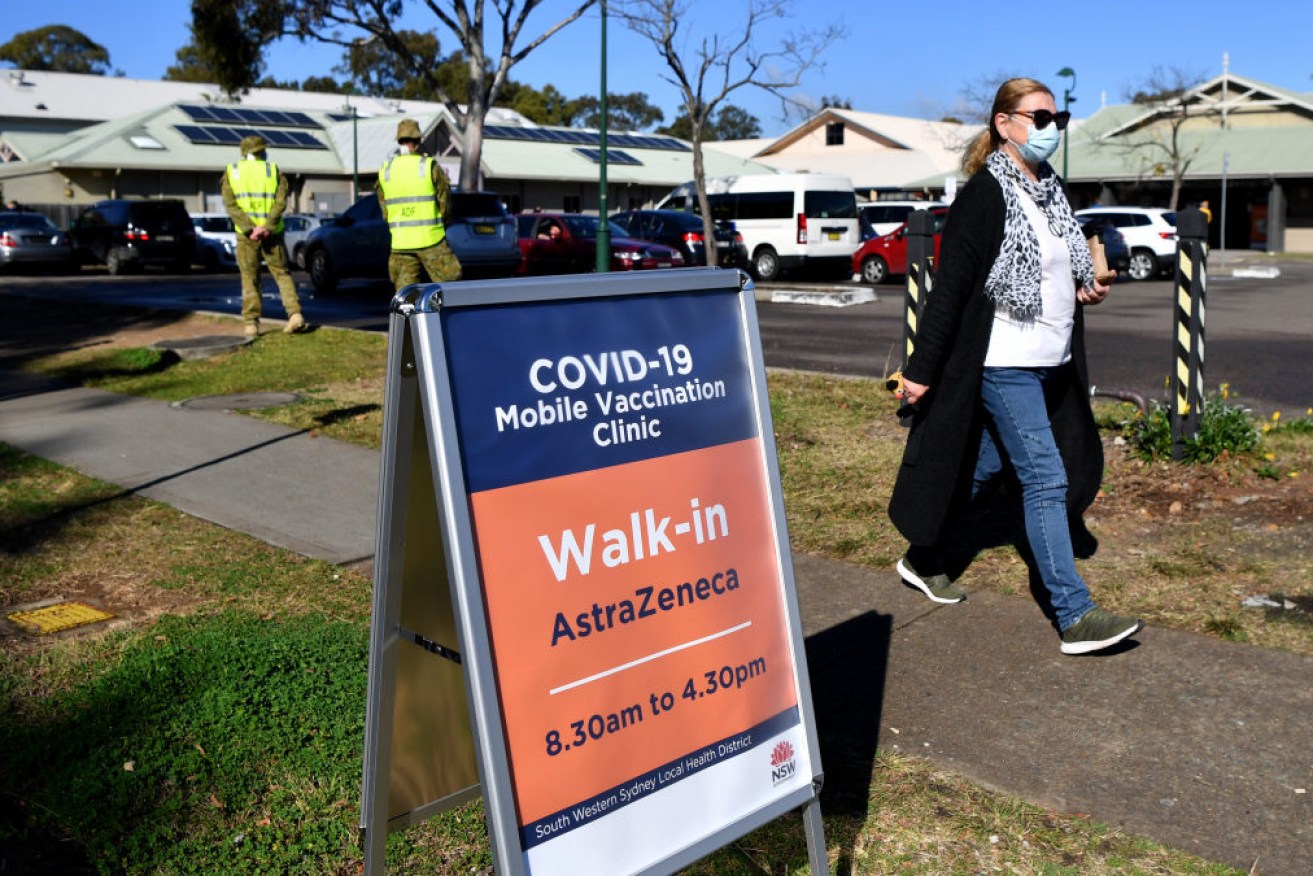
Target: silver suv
{"x":1150,"y":234}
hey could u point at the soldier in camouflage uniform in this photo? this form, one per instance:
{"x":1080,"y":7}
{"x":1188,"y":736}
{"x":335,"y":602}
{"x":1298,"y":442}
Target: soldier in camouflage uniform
{"x":255,"y":196}
{"x":413,"y":192}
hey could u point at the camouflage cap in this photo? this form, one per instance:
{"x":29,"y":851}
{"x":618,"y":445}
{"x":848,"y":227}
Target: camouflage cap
{"x":408,"y":129}
{"x":253,"y":143}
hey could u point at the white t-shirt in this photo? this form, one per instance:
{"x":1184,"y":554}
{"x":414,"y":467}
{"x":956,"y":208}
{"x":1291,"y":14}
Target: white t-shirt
{"x":1044,"y":340}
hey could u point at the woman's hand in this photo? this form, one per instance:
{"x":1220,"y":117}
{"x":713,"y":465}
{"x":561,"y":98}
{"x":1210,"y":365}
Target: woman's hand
{"x":1086,"y":295}
{"x":913,"y":392}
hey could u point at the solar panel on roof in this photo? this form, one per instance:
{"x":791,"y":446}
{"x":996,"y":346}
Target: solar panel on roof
{"x":195,"y":133}
{"x":613,"y":156}
{"x":588,"y":138}
{"x":224,"y":114}
{"x":223,"y":135}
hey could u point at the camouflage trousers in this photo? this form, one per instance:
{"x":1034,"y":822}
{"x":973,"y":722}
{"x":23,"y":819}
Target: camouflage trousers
{"x":249,"y":254}
{"x":406,"y":266}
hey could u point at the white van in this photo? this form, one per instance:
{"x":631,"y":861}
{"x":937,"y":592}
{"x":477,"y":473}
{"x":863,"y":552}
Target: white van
{"x":788,"y":220}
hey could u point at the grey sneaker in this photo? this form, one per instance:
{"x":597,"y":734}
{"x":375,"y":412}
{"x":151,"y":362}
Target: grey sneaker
{"x":938,"y":587}
{"x":1097,"y":630}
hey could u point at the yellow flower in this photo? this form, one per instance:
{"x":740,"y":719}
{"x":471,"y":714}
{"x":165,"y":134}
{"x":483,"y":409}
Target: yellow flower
{"x":1276,"y":415}
{"x":1294,"y":474}
{"x":1269,"y":456}
{"x":1226,"y":390}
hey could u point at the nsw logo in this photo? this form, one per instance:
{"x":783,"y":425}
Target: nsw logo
{"x":782,"y":764}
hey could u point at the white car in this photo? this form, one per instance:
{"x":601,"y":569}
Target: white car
{"x":296,"y":228}
{"x":881,"y":217}
{"x":1150,"y":234}
{"x":216,"y":241}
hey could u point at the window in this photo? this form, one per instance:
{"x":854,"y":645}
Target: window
{"x":764,"y":205}
{"x":830,"y":205}
{"x":834,"y":134}
{"x":572,"y":203}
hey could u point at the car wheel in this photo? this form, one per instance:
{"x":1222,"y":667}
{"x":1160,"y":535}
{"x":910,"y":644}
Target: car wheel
{"x":298,"y":256}
{"x":766,"y":264}
{"x":874,"y":270}
{"x":1144,"y":265}
{"x":117,"y":263}
{"x":321,"y":272}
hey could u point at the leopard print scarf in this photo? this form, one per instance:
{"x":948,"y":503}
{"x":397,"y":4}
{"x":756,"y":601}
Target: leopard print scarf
{"x":1013,"y":282}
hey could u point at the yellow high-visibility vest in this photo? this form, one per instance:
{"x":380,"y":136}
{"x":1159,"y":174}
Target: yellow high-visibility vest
{"x":412,"y":203}
{"x":254,"y":184}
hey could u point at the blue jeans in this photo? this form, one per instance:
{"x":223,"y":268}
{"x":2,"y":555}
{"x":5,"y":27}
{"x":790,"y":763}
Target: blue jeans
{"x":1018,"y":412}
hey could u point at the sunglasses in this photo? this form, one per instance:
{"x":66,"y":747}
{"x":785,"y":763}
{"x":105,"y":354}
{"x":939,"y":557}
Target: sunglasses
{"x":1042,"y":117}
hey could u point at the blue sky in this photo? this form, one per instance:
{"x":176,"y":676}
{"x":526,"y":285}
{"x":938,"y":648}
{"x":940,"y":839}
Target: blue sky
{"x":911,"y":59}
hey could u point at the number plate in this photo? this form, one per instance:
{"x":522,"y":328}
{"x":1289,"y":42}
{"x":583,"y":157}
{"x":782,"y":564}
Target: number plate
{"x":833,"y":235}
{"x":165,"y":238}
{"x":484,"y":229}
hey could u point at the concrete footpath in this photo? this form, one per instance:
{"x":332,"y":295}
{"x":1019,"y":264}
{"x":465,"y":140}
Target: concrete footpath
{"x":1196,"y":743}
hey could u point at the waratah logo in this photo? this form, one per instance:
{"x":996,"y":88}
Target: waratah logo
{"x":782,"y":753}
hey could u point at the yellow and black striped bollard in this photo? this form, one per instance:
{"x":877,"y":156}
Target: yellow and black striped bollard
{"x":1187,"y":382}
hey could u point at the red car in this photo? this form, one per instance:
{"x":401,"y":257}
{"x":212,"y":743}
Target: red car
{"x":566,"y":243}
{"x":880,"y":257}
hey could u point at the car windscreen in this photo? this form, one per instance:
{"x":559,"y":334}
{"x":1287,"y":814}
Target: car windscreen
{"x":213,"y":223}
{"x":159,"y":215}
{"x":473,"y":206}
{"x":26,"y":220}
{"x":830,"y":205}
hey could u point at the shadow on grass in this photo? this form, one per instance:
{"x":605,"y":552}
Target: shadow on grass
{"x":339,"y":415}
{"x":848,"y":664}
{"x":32,"y":329}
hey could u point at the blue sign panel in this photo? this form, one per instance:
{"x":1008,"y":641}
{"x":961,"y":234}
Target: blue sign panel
{"x":663,"y":376}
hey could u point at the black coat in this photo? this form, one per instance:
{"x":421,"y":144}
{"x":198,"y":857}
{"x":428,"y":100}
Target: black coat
{"x":948,"y":355}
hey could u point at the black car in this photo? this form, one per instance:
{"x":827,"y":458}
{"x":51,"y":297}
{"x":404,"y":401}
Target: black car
{"x":127,"y":235}
{"x":1114,"y":242}
{"x":357,"y":244}
{"x":684,"y":232}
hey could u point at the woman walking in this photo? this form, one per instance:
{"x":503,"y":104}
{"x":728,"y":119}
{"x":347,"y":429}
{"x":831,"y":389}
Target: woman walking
{"x":998,"y":374}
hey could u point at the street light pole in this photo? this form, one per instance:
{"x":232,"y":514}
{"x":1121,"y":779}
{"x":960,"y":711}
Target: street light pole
{"x":1067,"y":101}
{"x":603,"y":229}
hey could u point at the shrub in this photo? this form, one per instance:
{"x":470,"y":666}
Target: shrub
{"x":1224,"y":428}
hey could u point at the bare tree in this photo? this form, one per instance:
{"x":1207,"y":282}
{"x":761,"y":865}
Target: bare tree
{"x":355,"y":22}
{"x":1153,"y":142}
{"x":718,"y":65}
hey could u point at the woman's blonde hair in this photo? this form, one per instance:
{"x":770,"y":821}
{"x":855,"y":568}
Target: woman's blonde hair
{"x":1006,"y":99}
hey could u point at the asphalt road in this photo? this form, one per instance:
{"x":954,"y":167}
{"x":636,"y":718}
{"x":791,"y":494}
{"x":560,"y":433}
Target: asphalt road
{"x":1258,"y":331}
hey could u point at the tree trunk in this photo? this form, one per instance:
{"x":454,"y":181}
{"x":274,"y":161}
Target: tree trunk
{"x":704,"y":204}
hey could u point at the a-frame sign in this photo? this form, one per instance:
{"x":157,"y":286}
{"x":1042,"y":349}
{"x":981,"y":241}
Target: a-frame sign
{"x":584,"y":604}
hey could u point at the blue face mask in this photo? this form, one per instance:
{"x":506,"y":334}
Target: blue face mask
{"x":1040,"y":144}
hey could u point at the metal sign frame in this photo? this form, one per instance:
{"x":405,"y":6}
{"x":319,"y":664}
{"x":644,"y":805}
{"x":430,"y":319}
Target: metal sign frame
{"x":435,"y":735}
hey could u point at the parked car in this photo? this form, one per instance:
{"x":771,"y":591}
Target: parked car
{"x":482,"y":234}
{"x":804,"y":221}
{"x":32,"y":239}
{"x":296,"y":230}
{"x":216,"y":241}
{"x":357,"y":243}
{"x":566,"y":243}
{"x":127,"y":235}
{"x":881,"y":217}
{"x":1150,"y":234}
{"x":1115,"y":249}
{"x":881,"y":257}
{"x":684,"y":232}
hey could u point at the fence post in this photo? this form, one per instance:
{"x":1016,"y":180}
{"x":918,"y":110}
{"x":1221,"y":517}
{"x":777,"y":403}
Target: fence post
{"x":920,"y":274}
{"x":1187,"y":384}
